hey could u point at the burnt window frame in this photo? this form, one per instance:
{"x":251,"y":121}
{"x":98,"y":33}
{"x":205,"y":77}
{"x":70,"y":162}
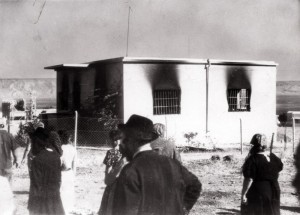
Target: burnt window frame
{"x":235,"y":99}
{"x":166,"y":101}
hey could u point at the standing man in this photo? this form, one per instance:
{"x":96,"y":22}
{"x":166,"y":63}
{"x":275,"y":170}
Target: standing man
{"x":151,"y":183}
{"x":164,"y":146}
{"x":7,"y":146}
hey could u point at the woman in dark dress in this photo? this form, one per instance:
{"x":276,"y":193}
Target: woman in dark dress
{"x":45,"y":177}
{"x":261,"y":192}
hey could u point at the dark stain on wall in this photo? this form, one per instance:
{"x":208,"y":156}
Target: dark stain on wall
{"x":237,"y":78}
{"x":164,"y":76}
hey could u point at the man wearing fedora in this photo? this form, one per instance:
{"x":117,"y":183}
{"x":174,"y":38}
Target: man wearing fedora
{"x":151,"y":183}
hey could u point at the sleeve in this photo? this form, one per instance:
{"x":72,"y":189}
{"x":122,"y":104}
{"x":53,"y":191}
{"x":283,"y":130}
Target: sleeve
{"x":249,"y":168}
{"x":278,"y":162}
{"x":14,"y":144}
{"x":55,"y":142}
{"x":127,"y":193}
{"x":107,"y":158}
{"x":192,"y":190}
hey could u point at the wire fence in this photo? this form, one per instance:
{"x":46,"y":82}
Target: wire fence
{"x":89,"y":131}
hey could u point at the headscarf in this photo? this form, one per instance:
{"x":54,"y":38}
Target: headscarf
{"x":259,"y":142}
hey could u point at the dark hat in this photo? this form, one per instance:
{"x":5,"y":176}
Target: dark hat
{"x":139,"y":127}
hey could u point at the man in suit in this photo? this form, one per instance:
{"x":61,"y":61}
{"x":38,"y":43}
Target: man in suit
{"x":151,"y":183}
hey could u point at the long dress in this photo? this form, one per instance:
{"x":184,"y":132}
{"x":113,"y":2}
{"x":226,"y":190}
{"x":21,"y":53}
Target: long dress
{"x":45,"y":179}
{"x":113,"y":160}
{"x":264,"y":193}
{"x":67,"y":178}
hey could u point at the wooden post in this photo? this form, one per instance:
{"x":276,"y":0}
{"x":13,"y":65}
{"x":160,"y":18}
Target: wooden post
{"x":207,"y":93}
{"x":271,"y":145}
{"x":241,"y":135}
{"x":293,"y":134}
{"x":75,"y":139}
{"x":76,"y":129}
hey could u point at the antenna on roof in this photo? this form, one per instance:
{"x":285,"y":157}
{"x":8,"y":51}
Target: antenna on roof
{"x":129,"y":9}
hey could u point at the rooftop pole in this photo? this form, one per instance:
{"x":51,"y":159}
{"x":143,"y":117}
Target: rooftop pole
{"x":128,"y":25}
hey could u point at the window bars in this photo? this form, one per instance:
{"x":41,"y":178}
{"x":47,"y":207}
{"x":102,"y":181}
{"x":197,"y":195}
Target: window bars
{"x":238,"y":100}
{"x":166,"y":102}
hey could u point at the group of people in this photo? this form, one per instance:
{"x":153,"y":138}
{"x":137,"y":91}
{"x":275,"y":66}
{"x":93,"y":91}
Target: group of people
{"x":51,"y":164}
{"x":143,"y":175}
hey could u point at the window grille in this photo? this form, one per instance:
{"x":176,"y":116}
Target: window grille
{"x":239,"y":100}
{"x":166,"y":102}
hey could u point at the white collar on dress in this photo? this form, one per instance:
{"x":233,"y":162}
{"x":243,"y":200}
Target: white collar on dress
{"x":142,"y":148}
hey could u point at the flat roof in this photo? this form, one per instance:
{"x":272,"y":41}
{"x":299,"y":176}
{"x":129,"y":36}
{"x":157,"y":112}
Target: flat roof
{"x":149,"y":60}
{"x":68,"y":65}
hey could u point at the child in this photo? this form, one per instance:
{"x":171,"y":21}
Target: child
{"x":68,"y":172}
{"x":6,"y":198}
{"x":114,"y":163}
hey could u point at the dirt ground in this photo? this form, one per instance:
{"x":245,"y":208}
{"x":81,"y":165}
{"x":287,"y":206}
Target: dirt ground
{"x":222,"y":182}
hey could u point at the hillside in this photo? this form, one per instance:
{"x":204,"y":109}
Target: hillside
{"x":21,"y":88}
{"x":288,"y":87}
{"x":288,"y":92}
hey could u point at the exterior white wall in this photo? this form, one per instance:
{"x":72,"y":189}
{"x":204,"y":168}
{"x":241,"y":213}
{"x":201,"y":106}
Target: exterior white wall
{"x":224,"y":125}
{"x":139,"y":82}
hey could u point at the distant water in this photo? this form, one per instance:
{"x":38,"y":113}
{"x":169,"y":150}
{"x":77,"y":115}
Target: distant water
{"x":287,"y":103}
{"x":45,"y":103}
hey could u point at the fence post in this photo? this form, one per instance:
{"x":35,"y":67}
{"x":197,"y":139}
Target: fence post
{"x":293,"y":135}
{"x":76,"y":129}
{"x":75,"y":137}
{"x":241,"y":134}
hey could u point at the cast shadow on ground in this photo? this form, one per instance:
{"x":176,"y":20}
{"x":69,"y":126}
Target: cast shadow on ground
{"x":21,"y":192}
{"x":226,"y":211}
{"x":291,"y":208}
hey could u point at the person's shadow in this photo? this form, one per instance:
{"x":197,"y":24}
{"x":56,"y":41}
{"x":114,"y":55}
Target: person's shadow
{"x":291,"y":208}
{"x":227,"y":211}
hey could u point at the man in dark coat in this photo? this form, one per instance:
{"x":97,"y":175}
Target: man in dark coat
{"x":151,"y":183}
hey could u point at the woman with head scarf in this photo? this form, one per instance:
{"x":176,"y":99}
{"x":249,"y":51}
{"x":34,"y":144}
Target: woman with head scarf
{"x":45,"y":177}
{"x":261,"y":191}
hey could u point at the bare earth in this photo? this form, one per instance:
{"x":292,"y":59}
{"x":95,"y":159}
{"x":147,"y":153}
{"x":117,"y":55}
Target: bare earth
{"x":222,"y":182}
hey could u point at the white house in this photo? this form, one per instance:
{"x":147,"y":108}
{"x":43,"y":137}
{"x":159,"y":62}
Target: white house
{"x":187,"y":95}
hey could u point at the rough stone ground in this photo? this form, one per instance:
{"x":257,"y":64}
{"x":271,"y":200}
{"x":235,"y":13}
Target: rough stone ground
{"x":222,"y":182}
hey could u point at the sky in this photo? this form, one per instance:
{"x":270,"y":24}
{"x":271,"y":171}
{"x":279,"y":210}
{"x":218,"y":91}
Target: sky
{"x":39,"y":33}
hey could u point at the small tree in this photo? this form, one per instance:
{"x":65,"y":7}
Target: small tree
{"x":283,"y":119}
{"x":20,"y":105}
{"x":107,"y":110}
{"x":190,"y":136}
{"x":103,"y":105}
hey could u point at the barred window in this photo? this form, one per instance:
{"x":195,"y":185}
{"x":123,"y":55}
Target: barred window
{"x":166,"y":102}
{"x":238,"y":100}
